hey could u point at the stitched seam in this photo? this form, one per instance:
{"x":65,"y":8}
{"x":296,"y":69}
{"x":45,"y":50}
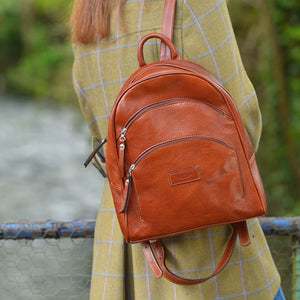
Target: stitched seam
{"x":238,"y":176}
{"x":138,"y":199}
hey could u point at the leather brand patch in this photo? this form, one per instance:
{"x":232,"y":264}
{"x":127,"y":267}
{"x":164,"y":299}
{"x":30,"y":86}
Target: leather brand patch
{"x":184,"y":176}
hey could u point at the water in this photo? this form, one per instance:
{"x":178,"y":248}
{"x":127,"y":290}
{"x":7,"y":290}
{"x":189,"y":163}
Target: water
{"x":42,"y":149}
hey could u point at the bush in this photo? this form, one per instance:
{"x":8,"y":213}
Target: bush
{"x":36,"y":49}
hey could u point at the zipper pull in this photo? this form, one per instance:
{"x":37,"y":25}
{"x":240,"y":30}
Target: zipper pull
{"x":121,"y":159}
{"x":123,"y":133}
{"x":95,"y":152}
{"x":128,"y":183}
{"x":122,"y":145}
{"x":131,"y":169}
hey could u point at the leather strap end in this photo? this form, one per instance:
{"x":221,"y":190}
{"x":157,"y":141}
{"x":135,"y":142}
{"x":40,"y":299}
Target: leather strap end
{"x":165,"y":52}
{"x":243,"y":234}
{"x":126,"y":195}
{"x":88,"y":160}
{"x":151,"y":259}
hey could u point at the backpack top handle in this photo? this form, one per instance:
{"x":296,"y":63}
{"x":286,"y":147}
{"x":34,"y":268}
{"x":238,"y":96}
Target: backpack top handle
{"x":170,"y":46}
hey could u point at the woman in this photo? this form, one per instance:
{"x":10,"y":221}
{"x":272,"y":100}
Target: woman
{"x":105,"y":36}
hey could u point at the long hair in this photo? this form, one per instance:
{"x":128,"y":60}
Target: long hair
{"x":90,"y":19}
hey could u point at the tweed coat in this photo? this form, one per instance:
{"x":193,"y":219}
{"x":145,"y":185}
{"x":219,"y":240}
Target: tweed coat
{"x":203,"y":33}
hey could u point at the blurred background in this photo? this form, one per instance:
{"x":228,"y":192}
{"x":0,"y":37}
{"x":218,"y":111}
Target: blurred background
{"x":44,"y":140}
{"x":37,"y":95}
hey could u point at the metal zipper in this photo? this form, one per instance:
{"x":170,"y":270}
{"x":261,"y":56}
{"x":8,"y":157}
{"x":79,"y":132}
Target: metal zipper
{"x":154,"y":148}
{"x":190,"y":73}
{"x":128,"y":182}
{"x":164,"y":144}
{"x":162,"y":103}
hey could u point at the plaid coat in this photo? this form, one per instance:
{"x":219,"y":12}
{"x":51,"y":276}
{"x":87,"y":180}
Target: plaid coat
{"x":203,"y":34}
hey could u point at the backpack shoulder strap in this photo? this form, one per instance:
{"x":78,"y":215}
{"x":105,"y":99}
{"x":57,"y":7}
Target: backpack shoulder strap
{"x":155,"y":255}
{"x":167,"y":27}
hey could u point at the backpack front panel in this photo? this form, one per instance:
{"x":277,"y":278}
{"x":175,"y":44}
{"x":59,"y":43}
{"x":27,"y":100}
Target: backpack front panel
{"x":179,"y":153}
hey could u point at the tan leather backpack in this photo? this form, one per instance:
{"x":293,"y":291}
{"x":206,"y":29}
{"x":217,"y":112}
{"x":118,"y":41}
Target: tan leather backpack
{"x":178,"y":157}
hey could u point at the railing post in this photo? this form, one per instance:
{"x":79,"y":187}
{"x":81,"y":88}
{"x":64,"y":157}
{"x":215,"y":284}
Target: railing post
{"x":296,"y":268}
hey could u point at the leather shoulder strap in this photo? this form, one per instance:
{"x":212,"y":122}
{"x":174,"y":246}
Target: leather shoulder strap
{"x":156,"y":260}
{"x":167,"y":27}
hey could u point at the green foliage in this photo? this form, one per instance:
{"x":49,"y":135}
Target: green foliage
{"x":10,"y":34}
{"x":36,"y":50}
{"x":33,"y":74}
{"x":268,"y":36}
{"x":286,"y":23}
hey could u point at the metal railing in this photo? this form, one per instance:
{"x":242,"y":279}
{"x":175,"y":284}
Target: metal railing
{"x":283,"y":235}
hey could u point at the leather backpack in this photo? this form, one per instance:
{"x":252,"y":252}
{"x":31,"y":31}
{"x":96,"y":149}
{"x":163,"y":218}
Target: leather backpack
{"x":178,"y":156}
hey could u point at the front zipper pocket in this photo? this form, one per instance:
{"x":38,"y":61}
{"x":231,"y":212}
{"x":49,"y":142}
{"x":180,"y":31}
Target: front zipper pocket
{"x":194,"y":176}
{"x":164,"y":103}
{"x":168,"y":119}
